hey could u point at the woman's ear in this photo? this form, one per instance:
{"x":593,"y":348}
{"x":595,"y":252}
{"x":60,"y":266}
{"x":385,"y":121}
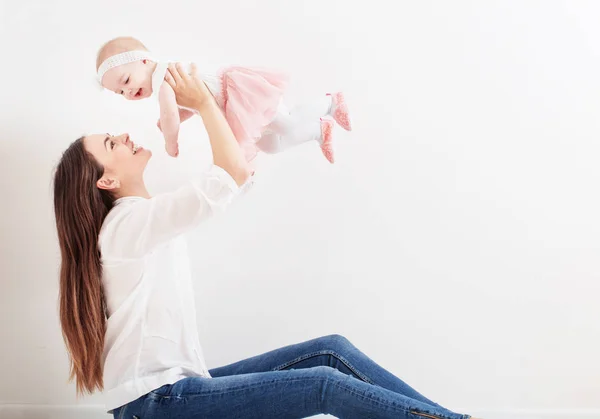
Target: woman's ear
{"x":108,"y":183}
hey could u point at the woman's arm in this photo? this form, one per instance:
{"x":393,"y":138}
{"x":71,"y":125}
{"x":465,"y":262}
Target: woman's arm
{"x":134,"y":230}
{"x":191,"y":92}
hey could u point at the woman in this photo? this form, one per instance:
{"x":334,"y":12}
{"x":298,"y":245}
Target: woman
{"x":126,"y":302}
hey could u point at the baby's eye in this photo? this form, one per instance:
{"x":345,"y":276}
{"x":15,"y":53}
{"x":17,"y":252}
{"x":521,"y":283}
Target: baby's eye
{"x":127,"y":81}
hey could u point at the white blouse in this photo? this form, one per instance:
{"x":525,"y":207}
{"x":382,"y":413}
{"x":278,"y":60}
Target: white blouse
{"x":151,"y":337}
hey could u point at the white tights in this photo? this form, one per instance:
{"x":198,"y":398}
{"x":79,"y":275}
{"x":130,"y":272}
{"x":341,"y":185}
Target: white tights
{"x":296,"y":126}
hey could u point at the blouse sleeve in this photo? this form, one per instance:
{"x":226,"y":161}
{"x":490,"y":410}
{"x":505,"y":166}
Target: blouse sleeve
{"x":147,"y":223}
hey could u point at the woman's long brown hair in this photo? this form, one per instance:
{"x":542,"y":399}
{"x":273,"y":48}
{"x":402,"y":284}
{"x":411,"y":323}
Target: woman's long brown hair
{"x":80,"y":208}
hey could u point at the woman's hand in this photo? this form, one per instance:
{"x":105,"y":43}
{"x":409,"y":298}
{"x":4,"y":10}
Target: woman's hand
{"x":190,"y":91}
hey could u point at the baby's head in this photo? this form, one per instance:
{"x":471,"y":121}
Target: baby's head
{"x":124,"y":66}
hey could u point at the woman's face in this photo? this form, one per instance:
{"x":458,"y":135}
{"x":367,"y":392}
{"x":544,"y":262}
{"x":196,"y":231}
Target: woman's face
{"x":123,"y":161}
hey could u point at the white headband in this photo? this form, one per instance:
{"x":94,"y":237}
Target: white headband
{"x":122,"y":59}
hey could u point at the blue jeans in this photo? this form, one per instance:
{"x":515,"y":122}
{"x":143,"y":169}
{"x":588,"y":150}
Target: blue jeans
{"x":325,"y":375}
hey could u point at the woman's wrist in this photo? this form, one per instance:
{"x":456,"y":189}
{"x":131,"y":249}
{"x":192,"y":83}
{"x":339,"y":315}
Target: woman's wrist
{"x":205,"y":105}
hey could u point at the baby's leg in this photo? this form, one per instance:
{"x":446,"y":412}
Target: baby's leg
{"x":301,"y":124}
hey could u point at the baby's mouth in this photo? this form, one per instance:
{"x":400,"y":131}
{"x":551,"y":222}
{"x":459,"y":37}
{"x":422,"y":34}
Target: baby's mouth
{"x":139,"y":93}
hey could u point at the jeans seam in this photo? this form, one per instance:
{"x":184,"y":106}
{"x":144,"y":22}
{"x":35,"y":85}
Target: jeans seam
{"x":277,"y":381}
{"x":374,"y":401}
{"x":392,"y":405}
{"x":428,"y":415}
{"x":326,"y":352}
{"x":424,"y":415}
{"x":244,"y":387}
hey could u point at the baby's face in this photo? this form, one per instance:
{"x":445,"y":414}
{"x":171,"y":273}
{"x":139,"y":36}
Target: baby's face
{"x":133,"y":80}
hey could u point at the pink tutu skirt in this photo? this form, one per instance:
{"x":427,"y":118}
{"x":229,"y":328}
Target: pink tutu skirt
{"x":250,"y":101}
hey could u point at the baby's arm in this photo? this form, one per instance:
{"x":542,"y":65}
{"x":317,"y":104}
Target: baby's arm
{"x":169,"y":118}
{"x":184,"y":115}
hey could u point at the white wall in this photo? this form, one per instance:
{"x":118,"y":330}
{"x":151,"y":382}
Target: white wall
{"x":455,"y":240}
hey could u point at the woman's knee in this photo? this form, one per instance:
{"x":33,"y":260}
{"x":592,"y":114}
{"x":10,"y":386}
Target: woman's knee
{"x":335,"y":342}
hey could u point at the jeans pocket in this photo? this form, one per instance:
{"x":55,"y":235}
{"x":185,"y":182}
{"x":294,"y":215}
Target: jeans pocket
{"x":131,"y":410}
{"x":163,"y":391}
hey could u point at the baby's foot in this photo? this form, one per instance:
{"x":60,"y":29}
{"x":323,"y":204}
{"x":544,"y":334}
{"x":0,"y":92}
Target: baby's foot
{"x":326,"y":139}
{"x":339,"y":110}
{"x":172,"y":149}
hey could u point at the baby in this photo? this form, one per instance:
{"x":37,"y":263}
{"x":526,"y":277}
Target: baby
{"x":251,"y":99}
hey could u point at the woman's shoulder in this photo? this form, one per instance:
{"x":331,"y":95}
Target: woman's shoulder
{"x":115,"y":222}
